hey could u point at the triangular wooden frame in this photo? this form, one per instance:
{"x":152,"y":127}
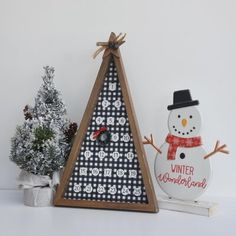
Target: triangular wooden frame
{"x":152,"y":202}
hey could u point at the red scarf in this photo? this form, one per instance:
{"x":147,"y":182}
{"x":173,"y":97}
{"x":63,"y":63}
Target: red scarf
{"x":176,"y":142}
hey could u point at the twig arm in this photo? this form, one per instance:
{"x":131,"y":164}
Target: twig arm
{"x":151,"y":142}
{"x":217,"y":148}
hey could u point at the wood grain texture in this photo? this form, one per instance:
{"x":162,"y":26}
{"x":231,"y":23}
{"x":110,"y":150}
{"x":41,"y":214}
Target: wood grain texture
{"x":152,"y":202}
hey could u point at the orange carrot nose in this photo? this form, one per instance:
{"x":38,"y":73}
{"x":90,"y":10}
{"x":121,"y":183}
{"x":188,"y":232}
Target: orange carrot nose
{"x":184,"y":122}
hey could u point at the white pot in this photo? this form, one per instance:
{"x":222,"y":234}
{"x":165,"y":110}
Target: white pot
{"x":38,"y":197}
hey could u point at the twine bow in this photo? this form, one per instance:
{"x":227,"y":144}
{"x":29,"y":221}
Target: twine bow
{"x":111,"y":46}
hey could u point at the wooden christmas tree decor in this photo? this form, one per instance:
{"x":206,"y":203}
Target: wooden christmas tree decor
{"x":107,"y":166}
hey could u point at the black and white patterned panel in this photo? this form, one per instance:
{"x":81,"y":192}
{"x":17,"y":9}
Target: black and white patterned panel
{"x":110,"y":172}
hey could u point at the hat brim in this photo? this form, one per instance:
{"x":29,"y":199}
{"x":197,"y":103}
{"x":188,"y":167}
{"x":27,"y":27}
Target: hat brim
{"x":183,"y":104}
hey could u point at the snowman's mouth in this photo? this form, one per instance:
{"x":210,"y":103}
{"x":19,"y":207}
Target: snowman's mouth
{"x":183,"y":133}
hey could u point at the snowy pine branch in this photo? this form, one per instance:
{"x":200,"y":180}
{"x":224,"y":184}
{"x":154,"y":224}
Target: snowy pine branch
{"x":42,"y":143}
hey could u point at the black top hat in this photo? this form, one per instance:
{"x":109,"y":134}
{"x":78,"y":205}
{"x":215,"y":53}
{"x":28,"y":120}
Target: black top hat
{"x":182,"y":98}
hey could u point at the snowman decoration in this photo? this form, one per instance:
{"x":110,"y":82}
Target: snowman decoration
{"x":182,"y":166}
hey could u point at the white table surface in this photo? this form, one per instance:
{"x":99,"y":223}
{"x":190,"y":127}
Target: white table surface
{"x":17,"y":219}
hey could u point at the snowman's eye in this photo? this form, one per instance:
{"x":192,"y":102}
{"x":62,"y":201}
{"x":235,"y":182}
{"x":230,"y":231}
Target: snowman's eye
{"x":179,"y":116}
{"x":191,"y":117}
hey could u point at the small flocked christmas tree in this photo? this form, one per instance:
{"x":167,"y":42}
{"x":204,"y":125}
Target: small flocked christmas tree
{"x":42,"y":144}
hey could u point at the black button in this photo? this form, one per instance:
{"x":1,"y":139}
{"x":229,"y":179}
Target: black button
{"x":113,"y":45}
{"x":182,"y":155}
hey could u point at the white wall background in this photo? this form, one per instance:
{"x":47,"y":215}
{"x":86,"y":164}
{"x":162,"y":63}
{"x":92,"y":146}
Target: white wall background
{"x":171,"y":45}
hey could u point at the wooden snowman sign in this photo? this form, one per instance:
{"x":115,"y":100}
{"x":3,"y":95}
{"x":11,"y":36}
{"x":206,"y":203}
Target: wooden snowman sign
{"x":182,"y":165}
